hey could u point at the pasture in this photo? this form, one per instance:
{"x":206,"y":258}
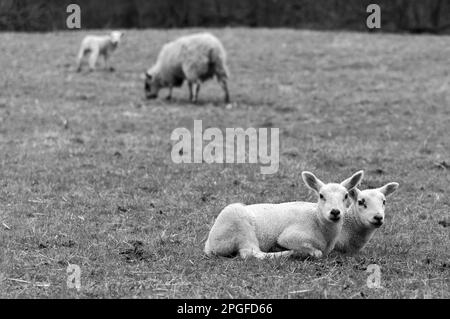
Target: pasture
{"x":86,"y":176}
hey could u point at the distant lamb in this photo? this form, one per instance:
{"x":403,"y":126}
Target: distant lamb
{"x":363,"y":218}
{"x":299,"y":228}
{"x":195,"y":58}
{"x":98,"y":45}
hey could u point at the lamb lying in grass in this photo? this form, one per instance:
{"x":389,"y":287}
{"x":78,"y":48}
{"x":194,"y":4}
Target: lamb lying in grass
{"x":363,"y":218}
{"x":300,"y":228}
{"x":98,"y":45}
{"x":195,"y":58}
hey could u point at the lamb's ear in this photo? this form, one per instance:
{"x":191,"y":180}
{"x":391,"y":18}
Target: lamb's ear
{"x":312,"y":181}
{"x":353,"y":181}
{"x":388,"y":189}
{"x":353,"y":194}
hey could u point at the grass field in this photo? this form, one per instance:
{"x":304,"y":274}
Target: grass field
{"x":86,"y":176}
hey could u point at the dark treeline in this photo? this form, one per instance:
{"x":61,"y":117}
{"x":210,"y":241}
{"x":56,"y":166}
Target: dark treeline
{"x":396,"y":15}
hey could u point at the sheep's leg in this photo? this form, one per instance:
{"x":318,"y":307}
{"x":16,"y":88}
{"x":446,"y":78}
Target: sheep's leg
{"x":223,"y":84}
{"x":93,"y":59}
{"x":197,"y":89}
{"x":169,"y":97}
{"x":190,"y":91}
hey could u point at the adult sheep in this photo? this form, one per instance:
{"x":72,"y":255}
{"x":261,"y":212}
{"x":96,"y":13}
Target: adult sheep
{"x":194,"y":58}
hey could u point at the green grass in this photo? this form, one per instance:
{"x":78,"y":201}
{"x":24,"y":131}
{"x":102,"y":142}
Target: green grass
{"x":102,"y":192}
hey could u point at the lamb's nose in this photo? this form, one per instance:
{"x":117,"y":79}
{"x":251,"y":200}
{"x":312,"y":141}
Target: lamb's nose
{"x":335,"y":212}
{"x":378,"y":219}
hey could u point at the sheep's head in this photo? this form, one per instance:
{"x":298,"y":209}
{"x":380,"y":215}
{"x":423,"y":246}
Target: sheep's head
{"x":116,"y":36}
{"x":152,"y":85}
{"x":370,"y":204}
{"x":333,"y":197}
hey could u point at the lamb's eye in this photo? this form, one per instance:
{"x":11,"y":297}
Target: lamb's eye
{"x":384,"y":202}
{"x":321,"y":197}
{"x":346,"y":196}
{"x":362,"y":202}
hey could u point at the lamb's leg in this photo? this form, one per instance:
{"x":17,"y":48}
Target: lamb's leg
{"x":93,"y":59}
{"x":190,"y":91}
{"x":257,"y":253}
{"x":233,"y":231}
{"x":80,"y":59}
{"x":107,"y":67}
{"x":169,"y":97}
{"x":223,"y":84}
{"x":301,"y":243}
{"x":309,"y":250}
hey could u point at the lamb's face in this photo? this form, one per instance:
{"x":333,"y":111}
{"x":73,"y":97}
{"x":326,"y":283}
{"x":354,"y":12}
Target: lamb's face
{"x":332,"y":201}
{"x":152,"y":86}
{"x":370,"y":204}
{"x":116,"y":36}
{"x":333,"y":197}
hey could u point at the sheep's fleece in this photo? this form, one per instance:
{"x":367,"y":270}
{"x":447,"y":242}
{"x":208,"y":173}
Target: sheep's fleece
{"x":195,"y":58}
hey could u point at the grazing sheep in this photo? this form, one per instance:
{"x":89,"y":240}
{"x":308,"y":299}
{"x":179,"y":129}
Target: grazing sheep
{"x":364,"y":217}
{"x":195,"y":58}
{"x":302,"y":228}
{"x":98,"y":45}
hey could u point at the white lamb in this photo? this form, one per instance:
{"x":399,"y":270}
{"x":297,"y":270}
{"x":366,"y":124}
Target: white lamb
{"x":98,"y":45}
{"x":300,"y":228}
{"x":364,"y":217}
{"x":195,"y":58}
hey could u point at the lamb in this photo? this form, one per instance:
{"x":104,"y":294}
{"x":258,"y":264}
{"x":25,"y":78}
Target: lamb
{"x":195,"y":58}
{"x":98,"y":45}
{"x":364,"y":217}
{"x":286,"y":229}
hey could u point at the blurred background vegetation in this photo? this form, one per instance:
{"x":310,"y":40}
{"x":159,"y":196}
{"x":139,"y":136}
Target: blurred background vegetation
{"x":416,"y":16}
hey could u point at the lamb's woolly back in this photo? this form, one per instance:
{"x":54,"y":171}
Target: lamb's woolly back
{"x":101,"y":41}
